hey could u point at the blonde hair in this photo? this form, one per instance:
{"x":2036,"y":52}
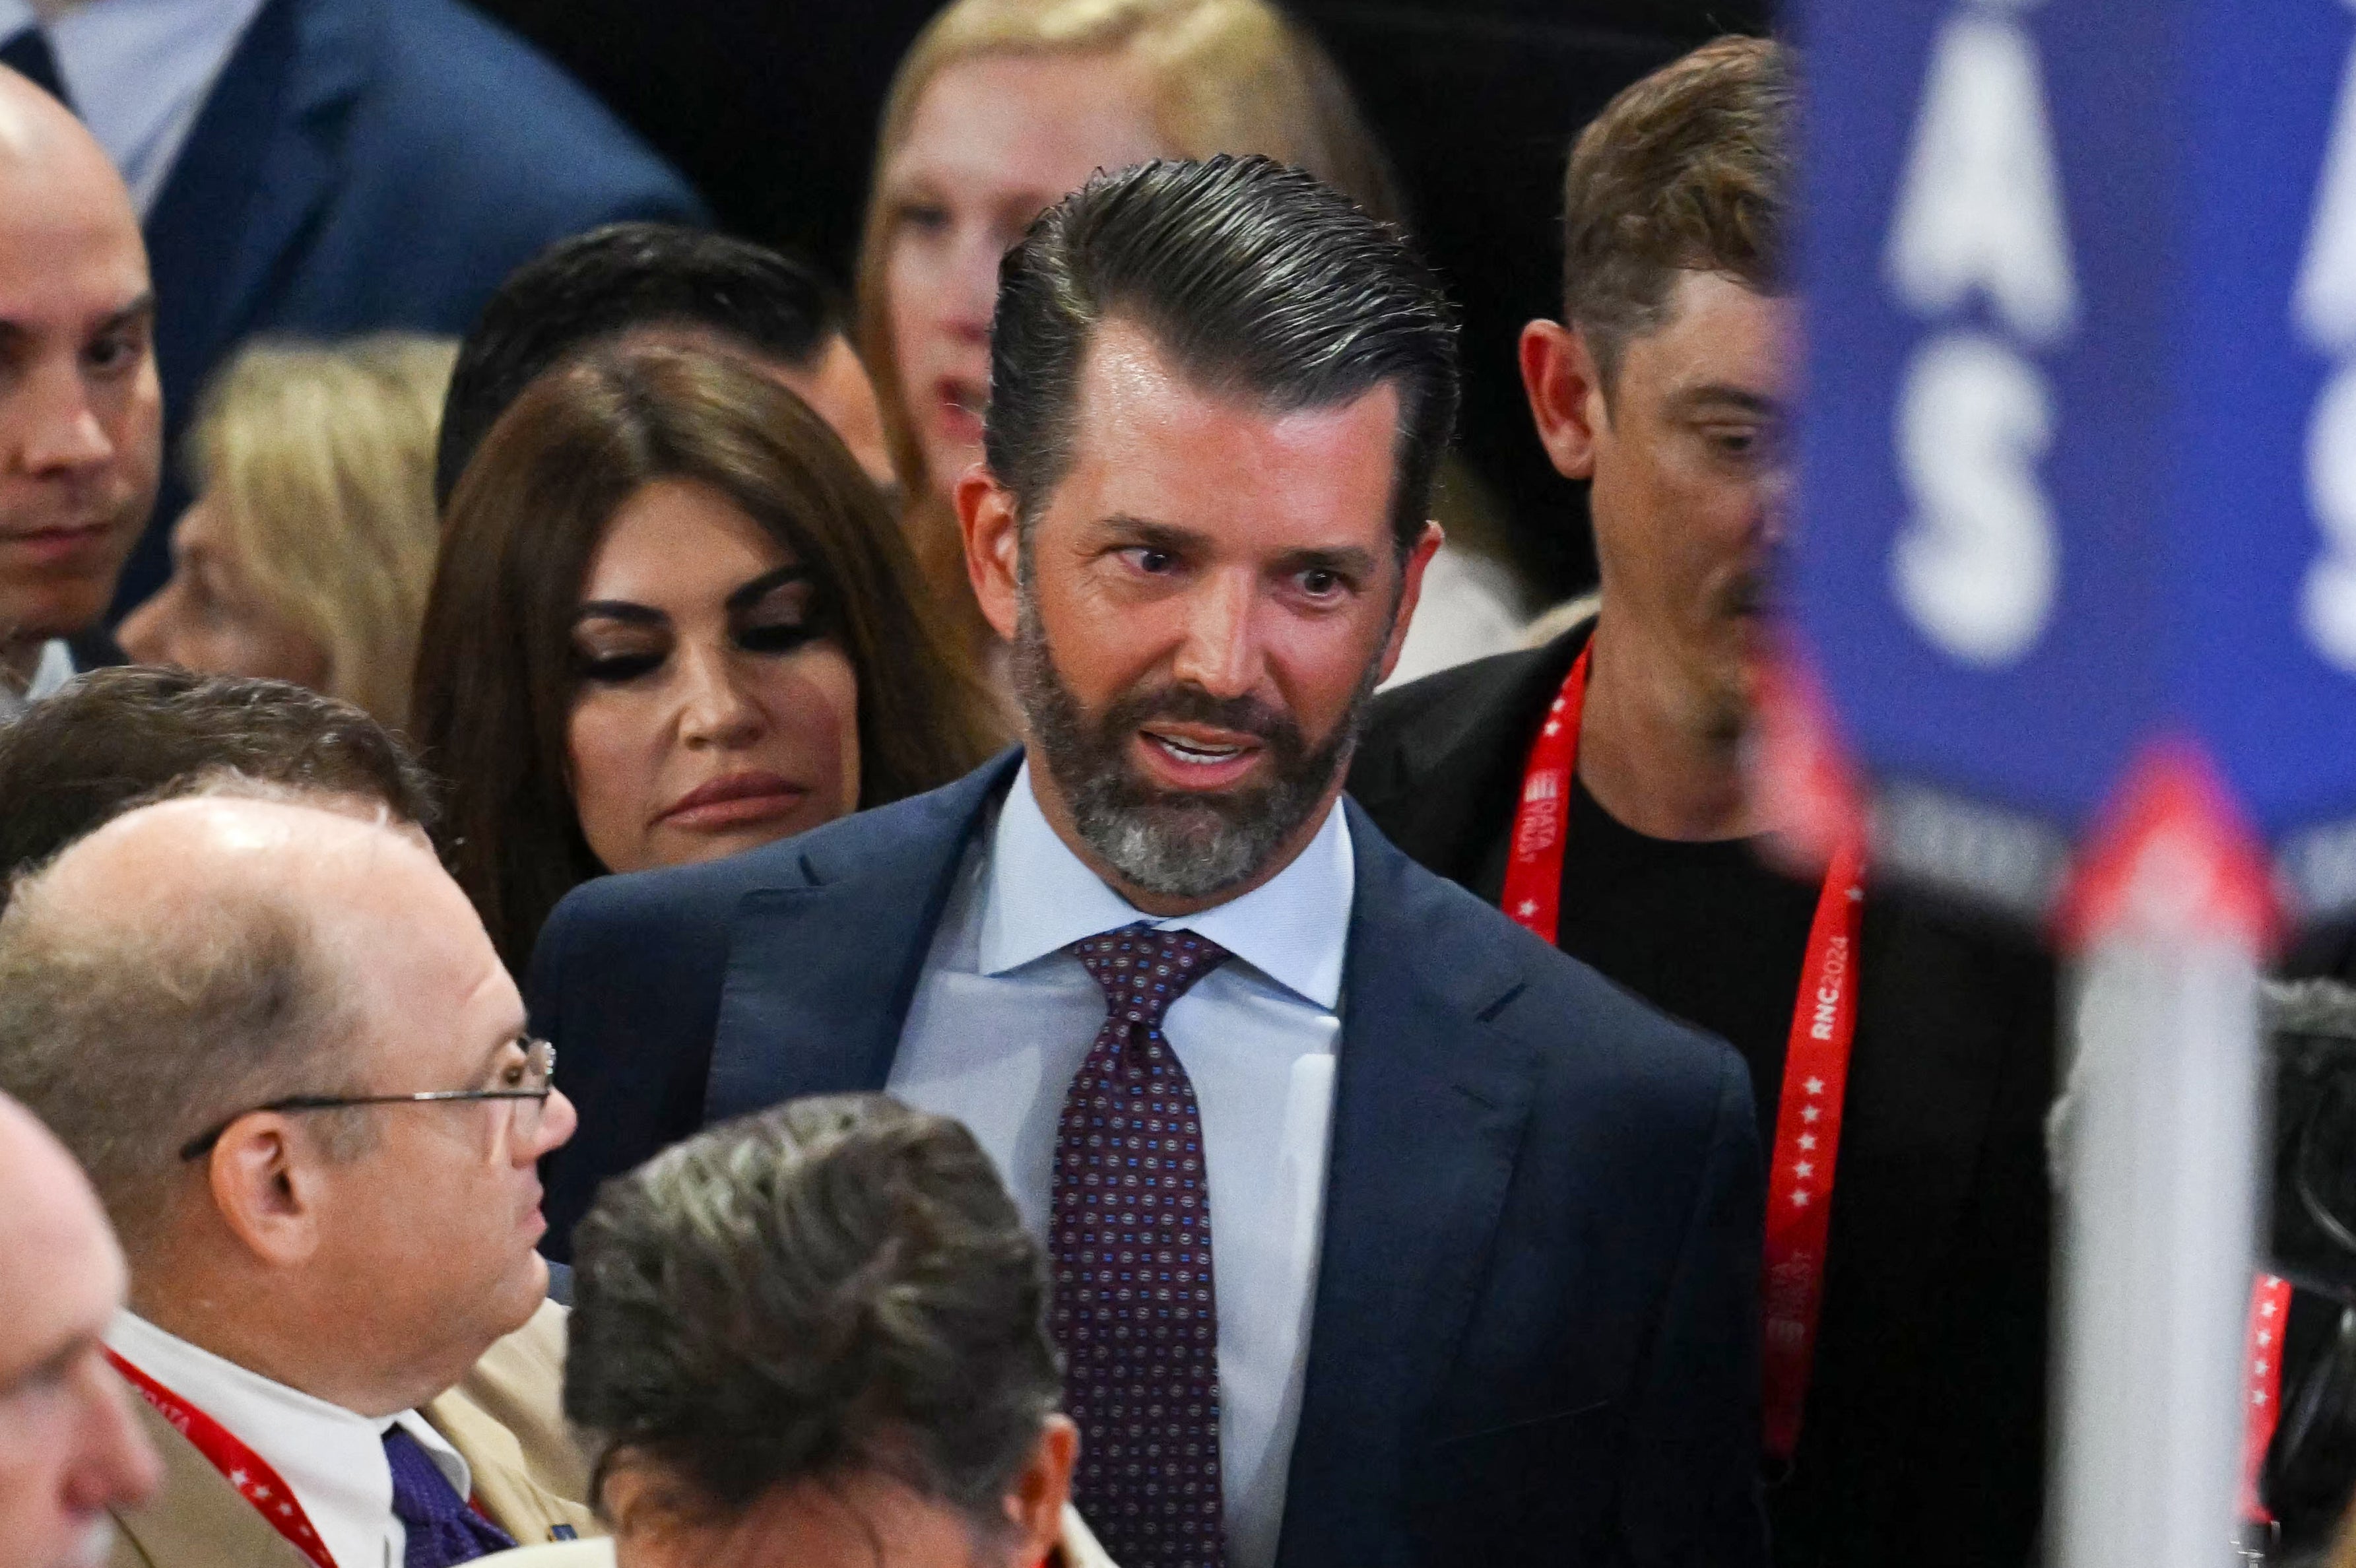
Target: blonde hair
{"x":1229,"y":75}
{"x":317,"y":462}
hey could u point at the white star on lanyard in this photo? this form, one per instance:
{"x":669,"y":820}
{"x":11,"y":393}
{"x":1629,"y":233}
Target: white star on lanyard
{"x":2258,"y":1397}
{"x":1855,"y":895}
{"x":1554,"y":726}
{"x":1807,"y":1140}
{"x":2267,"y":1310}
{"x":1815,"y":1085}
{"x":1799,"y":1198}
{"x":1809,"y":1113}
{"x":236,"y":1479}
{"x":1803,"y":1170}
{"x":1528,"y":909}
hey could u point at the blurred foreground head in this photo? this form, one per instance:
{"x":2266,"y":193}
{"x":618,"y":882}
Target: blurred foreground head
{"x":225,"y":1003}
{"x":1668,"y":380}
{"x":656,"y":282}
{"x":81,"y":418}
{"x":70,"y":1450}
{"x":118,"y":735}
{"x":817,"y":1337}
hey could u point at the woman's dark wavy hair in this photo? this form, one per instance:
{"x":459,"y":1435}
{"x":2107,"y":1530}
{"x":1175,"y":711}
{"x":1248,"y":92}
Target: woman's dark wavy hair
{"x":833,"y":1285}
{"x":496,"y":680}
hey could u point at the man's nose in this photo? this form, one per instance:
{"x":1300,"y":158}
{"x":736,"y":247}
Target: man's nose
{"x":114,"y":1464}
{"x":61,"y":431}
{"x":1220,"y":650}
{"x":558,"y":1120}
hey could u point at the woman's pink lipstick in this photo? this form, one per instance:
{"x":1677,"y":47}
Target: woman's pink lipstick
{"x":735,"y":800}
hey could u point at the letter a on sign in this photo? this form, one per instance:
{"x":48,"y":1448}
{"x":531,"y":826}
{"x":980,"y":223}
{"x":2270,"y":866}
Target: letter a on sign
{"x":1980,"y":206}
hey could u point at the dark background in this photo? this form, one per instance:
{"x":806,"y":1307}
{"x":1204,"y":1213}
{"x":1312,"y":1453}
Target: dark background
{"x":770,"y":110}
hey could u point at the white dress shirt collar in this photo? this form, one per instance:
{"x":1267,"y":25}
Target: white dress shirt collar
{"x":50,"y":673}
{"x":138,"y":72}
{"x":1042,"y":898}
{"x":333,"y":1459}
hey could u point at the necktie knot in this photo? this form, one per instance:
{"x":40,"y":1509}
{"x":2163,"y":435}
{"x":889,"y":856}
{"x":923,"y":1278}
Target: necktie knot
{"x":441,"y":1529}
{"x":1143,"y":970}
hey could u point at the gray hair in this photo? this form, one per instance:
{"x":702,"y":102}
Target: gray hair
{"x":834,"y":1285}
{"x":130,"y":1035}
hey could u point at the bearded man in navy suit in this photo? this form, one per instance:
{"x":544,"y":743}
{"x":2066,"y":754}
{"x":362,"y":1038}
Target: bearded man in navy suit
{"x":1382,"y":1233}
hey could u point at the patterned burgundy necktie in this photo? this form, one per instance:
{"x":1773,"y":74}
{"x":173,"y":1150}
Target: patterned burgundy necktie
{"x":1135,"y":1312}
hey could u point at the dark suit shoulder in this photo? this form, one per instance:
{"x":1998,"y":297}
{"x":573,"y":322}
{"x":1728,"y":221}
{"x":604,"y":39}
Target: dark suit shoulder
{"x":1438,"y":766}
{"x":1589,"y":1035}
{"x":489,"y":112}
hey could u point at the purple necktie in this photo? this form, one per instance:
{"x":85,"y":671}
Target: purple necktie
{"x":1132,"y":1226}
{"x":441,"y":1527}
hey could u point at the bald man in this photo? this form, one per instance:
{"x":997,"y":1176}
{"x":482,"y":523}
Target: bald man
{"x":69,"y":1448}
{"x":279,"y":1040}
{"x":81,"y":418}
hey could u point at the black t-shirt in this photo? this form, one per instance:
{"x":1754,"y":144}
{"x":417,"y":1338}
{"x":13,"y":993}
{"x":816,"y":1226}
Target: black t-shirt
{"x":1704,"y":931}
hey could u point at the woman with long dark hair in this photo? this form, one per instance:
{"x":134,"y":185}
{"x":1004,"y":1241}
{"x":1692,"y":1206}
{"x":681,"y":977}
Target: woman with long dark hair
{"x":672,"y":620}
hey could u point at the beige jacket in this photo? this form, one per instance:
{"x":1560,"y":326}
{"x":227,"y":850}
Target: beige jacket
{"x":1078,"y":1549}
{"x":504,"y":1418}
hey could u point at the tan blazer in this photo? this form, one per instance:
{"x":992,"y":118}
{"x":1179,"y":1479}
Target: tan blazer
{"x":504,"y":1418}
{"x":1078,"y":1549}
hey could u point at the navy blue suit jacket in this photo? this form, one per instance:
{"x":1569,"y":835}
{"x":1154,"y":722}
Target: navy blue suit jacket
{"x":1534,"y":1333}
{"x":369,"y":164}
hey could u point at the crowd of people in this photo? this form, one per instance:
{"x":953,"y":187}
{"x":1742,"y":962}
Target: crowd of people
{"x":651,"y":917}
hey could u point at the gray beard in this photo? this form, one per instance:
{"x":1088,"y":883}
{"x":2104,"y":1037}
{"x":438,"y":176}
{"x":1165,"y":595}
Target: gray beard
{"x":1174,"y":844}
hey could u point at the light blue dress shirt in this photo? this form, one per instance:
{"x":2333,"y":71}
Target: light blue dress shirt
{"x":1002,"y":1018}
{"x":138,"y":72}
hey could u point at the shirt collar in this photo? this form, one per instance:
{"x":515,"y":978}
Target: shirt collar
{"x":1039,"y":898}
{"x":332,"y":1458}
{"x":138,"y":72}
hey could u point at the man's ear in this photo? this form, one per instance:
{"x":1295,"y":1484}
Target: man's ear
{"x":1418,"y":557}
{"x":1566,"y":393}
{"x":992,"y":523}
{"x":1034,"y":1504}
{"x":267,"y":1183}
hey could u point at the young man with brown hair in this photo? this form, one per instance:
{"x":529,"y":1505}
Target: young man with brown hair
{"x":1901,"y":1059}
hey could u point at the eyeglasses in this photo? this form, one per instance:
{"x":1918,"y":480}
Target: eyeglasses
{"x":536,"y":1074}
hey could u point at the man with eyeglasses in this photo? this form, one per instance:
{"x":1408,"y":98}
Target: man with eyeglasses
{"x":278,"y":1039}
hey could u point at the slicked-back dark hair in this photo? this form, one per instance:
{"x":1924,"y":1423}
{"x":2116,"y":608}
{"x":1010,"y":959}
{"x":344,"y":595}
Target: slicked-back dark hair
{"x":116,"y":736}
{"x":1258,"y":281}
{"x":624,"y":276}
{"x":833,"y":1285}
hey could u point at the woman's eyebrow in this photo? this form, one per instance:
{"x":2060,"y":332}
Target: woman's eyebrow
{"x":761,"y":586}
{"x":620,"y":609}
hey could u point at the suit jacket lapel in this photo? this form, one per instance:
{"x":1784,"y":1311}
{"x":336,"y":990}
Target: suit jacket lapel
{"x":196,"y":1519}
{"x":821,"y":974}
{"x":257,"y":166}
{"x":1429,"y":1110}
{"x":504,"y":1485}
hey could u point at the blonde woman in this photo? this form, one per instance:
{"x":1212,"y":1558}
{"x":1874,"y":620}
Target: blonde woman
{"x":308,"y":550}
{"x":999,"y":108}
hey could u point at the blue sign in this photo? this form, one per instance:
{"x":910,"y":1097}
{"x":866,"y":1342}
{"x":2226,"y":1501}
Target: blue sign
{"x":2078,"y":466}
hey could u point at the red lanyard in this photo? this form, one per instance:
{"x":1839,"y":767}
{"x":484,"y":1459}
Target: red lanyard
{"x":2269,"y":1315}
{"x":1815,"y":1062}
{"x":248,"y":1472}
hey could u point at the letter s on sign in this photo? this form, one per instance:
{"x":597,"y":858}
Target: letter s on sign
{"x":1976,"y":568}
